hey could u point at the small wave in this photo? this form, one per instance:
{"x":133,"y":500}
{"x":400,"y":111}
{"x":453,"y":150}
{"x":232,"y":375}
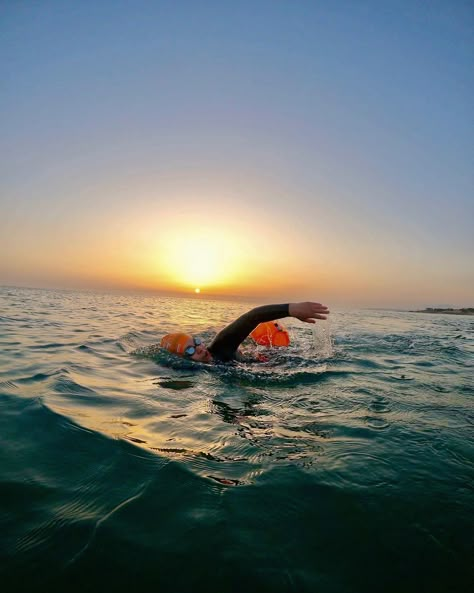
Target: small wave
{"x":66,"y":385}
{"x":379,"y":406}
{"x":284,"y":377}
{"x":37,"y":377}
{"x":377,"y":423}
{"x":177,"y":385}
{"x":49,"y":346}
{"x":129,"y":343}
{"x":349,"y":465}
{"x":226,"y":481}
{"x":8,"y":385}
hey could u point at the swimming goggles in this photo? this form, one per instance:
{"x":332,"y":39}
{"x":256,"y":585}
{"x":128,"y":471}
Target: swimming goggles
{"x":190,"y":350}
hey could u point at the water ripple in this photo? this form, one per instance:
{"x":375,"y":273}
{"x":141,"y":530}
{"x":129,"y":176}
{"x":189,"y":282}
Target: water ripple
{"x":113,"y":449}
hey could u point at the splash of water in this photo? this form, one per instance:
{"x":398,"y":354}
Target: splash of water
{"x":322,"y":339}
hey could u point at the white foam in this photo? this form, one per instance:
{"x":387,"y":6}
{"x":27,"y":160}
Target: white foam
{"x":322,"y":339}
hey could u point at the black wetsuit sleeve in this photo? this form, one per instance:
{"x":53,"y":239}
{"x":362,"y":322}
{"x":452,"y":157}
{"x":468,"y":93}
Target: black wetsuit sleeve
{"x":225,"y":344}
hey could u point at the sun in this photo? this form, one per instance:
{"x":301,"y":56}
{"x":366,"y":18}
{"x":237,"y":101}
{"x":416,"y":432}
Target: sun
{"x":199,"y":260}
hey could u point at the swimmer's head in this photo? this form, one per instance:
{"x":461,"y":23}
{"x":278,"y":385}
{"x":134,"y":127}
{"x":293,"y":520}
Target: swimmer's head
{"x":186,"y":346}
{"x":176,"y":343}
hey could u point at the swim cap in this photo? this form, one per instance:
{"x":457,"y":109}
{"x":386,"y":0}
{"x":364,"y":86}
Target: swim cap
{"x":175,"y":343}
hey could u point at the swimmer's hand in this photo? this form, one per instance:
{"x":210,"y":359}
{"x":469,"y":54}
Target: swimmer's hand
{"x":308,"y":312}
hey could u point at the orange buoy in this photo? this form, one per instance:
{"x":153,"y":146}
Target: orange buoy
{"x":270,"y":333}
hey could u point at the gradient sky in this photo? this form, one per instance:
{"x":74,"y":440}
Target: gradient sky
{"x":300,"y":149}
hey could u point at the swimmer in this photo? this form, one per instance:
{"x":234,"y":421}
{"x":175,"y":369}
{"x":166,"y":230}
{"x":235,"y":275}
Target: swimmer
{"x":225,"y":345}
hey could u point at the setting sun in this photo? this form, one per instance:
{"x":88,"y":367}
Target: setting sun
{"x":200,"y":259}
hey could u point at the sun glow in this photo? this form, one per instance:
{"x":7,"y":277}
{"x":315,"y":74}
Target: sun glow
{"x":195,"y":261}
{"x":219,"y":250}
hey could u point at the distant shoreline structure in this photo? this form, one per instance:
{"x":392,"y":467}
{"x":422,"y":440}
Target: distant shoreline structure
{"x":449,"y":311}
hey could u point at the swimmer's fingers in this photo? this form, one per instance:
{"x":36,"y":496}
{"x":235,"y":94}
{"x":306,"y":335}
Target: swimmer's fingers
{"x":308,"y":311}
{"x":318,"y":309}
{"x":313,"y":319}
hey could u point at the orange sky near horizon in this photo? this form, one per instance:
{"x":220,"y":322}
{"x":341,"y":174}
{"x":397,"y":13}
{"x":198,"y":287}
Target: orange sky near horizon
{"x":225,"y":248}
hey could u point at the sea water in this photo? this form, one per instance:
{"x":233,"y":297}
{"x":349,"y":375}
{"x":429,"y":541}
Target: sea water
{"x":343,"y":464}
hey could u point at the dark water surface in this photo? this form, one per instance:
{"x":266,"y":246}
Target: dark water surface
{"x":332,"y":468}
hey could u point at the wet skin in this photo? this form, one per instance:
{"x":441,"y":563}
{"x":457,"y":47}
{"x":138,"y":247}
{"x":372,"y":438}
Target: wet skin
{"x":202,"y":354}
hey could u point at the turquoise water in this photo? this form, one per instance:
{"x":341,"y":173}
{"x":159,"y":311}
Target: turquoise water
{"x":344,"y":464}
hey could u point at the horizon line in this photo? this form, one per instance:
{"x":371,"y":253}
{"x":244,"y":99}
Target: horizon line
{"x":213,"y":296}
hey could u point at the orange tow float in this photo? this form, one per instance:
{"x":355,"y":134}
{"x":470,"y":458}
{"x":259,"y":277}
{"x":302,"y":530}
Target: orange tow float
{"x":270,"y":333}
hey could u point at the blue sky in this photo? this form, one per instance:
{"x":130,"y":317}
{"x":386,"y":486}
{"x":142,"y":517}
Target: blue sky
{"x":348,"y":125}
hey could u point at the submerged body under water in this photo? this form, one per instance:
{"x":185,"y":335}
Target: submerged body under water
{"x":344,"y":464}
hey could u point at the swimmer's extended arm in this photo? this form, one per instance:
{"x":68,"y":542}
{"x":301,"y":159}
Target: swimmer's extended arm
{"x":225,"y":344}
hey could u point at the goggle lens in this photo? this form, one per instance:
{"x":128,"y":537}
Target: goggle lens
{"x":190,"y":350}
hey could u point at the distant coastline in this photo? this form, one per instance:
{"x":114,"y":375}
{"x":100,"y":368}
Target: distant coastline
{"x":463,"y":311}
